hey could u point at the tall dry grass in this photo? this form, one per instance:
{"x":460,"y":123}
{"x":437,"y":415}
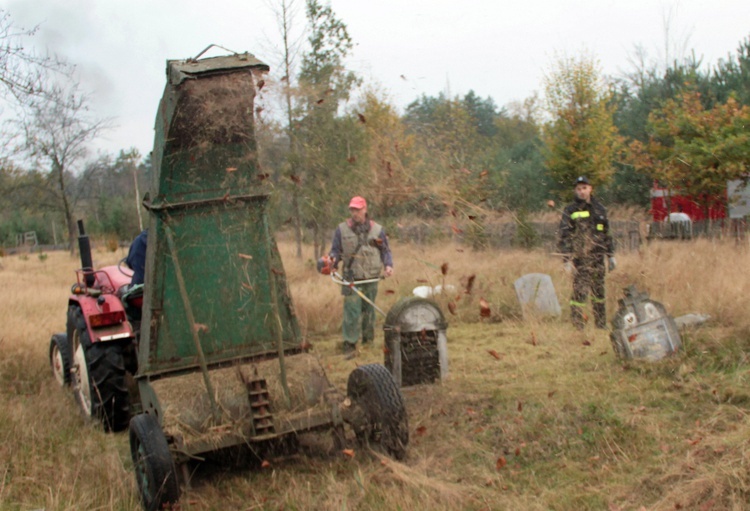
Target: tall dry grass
{"x":534,"y":415}
{"x":702,"y":276}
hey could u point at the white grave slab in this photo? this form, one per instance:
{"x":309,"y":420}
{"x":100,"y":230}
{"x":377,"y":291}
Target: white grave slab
{"x":537,"y":296}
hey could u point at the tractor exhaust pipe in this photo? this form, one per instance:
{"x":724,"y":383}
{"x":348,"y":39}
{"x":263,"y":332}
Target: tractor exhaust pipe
{"x":84,"y":247}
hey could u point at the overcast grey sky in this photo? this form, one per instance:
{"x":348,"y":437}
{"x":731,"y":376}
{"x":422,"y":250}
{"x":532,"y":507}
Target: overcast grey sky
{"x":497,"y":48}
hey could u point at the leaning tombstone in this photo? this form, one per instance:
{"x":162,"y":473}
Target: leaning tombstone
{"x":537,"y":296}
{"x":642,"y":328}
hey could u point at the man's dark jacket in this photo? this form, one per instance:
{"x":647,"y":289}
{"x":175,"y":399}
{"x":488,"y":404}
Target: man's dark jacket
{"x":584,"y":231}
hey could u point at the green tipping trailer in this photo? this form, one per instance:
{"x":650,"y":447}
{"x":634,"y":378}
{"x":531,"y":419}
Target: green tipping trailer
{"x":221,"y":362}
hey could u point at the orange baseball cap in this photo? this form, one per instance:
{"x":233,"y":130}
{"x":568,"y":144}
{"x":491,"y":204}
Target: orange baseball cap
{"x":358,"y":202}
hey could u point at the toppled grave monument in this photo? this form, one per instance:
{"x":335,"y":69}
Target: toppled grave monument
{"x":642,"y":328}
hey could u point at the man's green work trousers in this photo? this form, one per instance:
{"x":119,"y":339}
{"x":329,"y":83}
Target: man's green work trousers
{"x":359,"y":316}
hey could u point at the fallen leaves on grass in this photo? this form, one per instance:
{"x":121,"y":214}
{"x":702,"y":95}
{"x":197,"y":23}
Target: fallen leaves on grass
{"x":500,"y":463}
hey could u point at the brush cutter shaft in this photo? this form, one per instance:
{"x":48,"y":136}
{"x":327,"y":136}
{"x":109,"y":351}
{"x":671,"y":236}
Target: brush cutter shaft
{"x":338,"y":279}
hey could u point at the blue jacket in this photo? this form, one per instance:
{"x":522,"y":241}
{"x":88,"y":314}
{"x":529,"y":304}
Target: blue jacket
{"x":136,"y":259}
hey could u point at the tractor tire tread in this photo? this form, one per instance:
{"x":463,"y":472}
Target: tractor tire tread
{"x":157,"y":466}
{"x":373,"y":387}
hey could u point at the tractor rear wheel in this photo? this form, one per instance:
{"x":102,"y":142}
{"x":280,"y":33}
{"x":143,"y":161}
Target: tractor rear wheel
{"x":153,"y":464}
{"x":99,"y":379}
{"x":59,"y":359}
{"x":373,"y":389}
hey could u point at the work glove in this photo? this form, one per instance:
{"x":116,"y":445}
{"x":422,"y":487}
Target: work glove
{"x":612,"y":263}
{"x":568,"y":267}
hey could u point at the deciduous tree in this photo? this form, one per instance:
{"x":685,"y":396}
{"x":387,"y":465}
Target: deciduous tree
{"x":327,"y":140}
{"x":696,"y":150}
{"x":55,"y":132}
{"x":580,"y":138}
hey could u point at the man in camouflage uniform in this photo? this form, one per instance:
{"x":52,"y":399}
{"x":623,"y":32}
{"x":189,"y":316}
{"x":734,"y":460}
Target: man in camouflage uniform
{"x":585,"y":242}
{"x":362,"y":246}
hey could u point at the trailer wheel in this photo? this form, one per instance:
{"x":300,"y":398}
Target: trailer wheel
{"x":153,"y":464}
{"x":373,"y":389}
{"x":99,"y":379}
{"x":59,"y":359}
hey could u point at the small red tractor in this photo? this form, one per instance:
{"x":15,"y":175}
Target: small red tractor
{"x":97,"y":354}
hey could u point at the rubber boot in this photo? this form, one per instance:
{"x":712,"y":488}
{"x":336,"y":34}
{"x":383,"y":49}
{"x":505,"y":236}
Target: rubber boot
{"x":600,"y":314}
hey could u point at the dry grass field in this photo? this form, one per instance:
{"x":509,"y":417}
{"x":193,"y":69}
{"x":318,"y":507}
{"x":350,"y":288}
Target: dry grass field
{"x":533,"y":416}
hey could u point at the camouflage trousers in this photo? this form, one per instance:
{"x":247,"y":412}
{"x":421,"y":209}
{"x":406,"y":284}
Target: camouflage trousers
{"x":588,"y":276}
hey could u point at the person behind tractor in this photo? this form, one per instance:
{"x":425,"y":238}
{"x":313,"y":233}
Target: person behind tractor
{"x":136,"y":259}
{"x":585,"y":242}
{"x":362,"y":247}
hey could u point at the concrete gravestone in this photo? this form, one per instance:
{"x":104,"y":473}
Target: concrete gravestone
{"x":537,"y":296}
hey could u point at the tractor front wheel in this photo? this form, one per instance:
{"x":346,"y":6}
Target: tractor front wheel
{"x":154,"y":467}
{"x":372,"y":388}
{"x":59,"y":359}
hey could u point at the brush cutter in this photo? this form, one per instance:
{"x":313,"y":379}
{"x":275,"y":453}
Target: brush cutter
{"x":338,"y":279}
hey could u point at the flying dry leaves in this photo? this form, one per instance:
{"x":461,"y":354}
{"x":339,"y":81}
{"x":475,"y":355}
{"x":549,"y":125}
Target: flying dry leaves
{"x":452,"y":307}
{"x":494,"y":354}
{"x":469,"y":284}
{"x":533,"y":340}
{"x":484,"y":308}
{"x":389,"y":169}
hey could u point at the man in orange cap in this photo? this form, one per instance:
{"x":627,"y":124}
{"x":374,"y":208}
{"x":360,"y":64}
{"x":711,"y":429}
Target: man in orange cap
{"x":362,"y":246}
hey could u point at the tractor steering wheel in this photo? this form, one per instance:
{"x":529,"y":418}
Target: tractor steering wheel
{"x":125,"y":270}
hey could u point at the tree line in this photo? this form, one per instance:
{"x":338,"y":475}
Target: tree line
{"x":325,"y":135}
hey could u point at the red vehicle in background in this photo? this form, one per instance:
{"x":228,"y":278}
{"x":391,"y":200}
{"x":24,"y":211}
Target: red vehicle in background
{"x":674,"y":216}
{"x":665,"y":201}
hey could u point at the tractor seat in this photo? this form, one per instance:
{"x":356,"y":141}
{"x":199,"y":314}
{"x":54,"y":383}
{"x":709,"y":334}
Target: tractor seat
{"x":131,"y":295}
